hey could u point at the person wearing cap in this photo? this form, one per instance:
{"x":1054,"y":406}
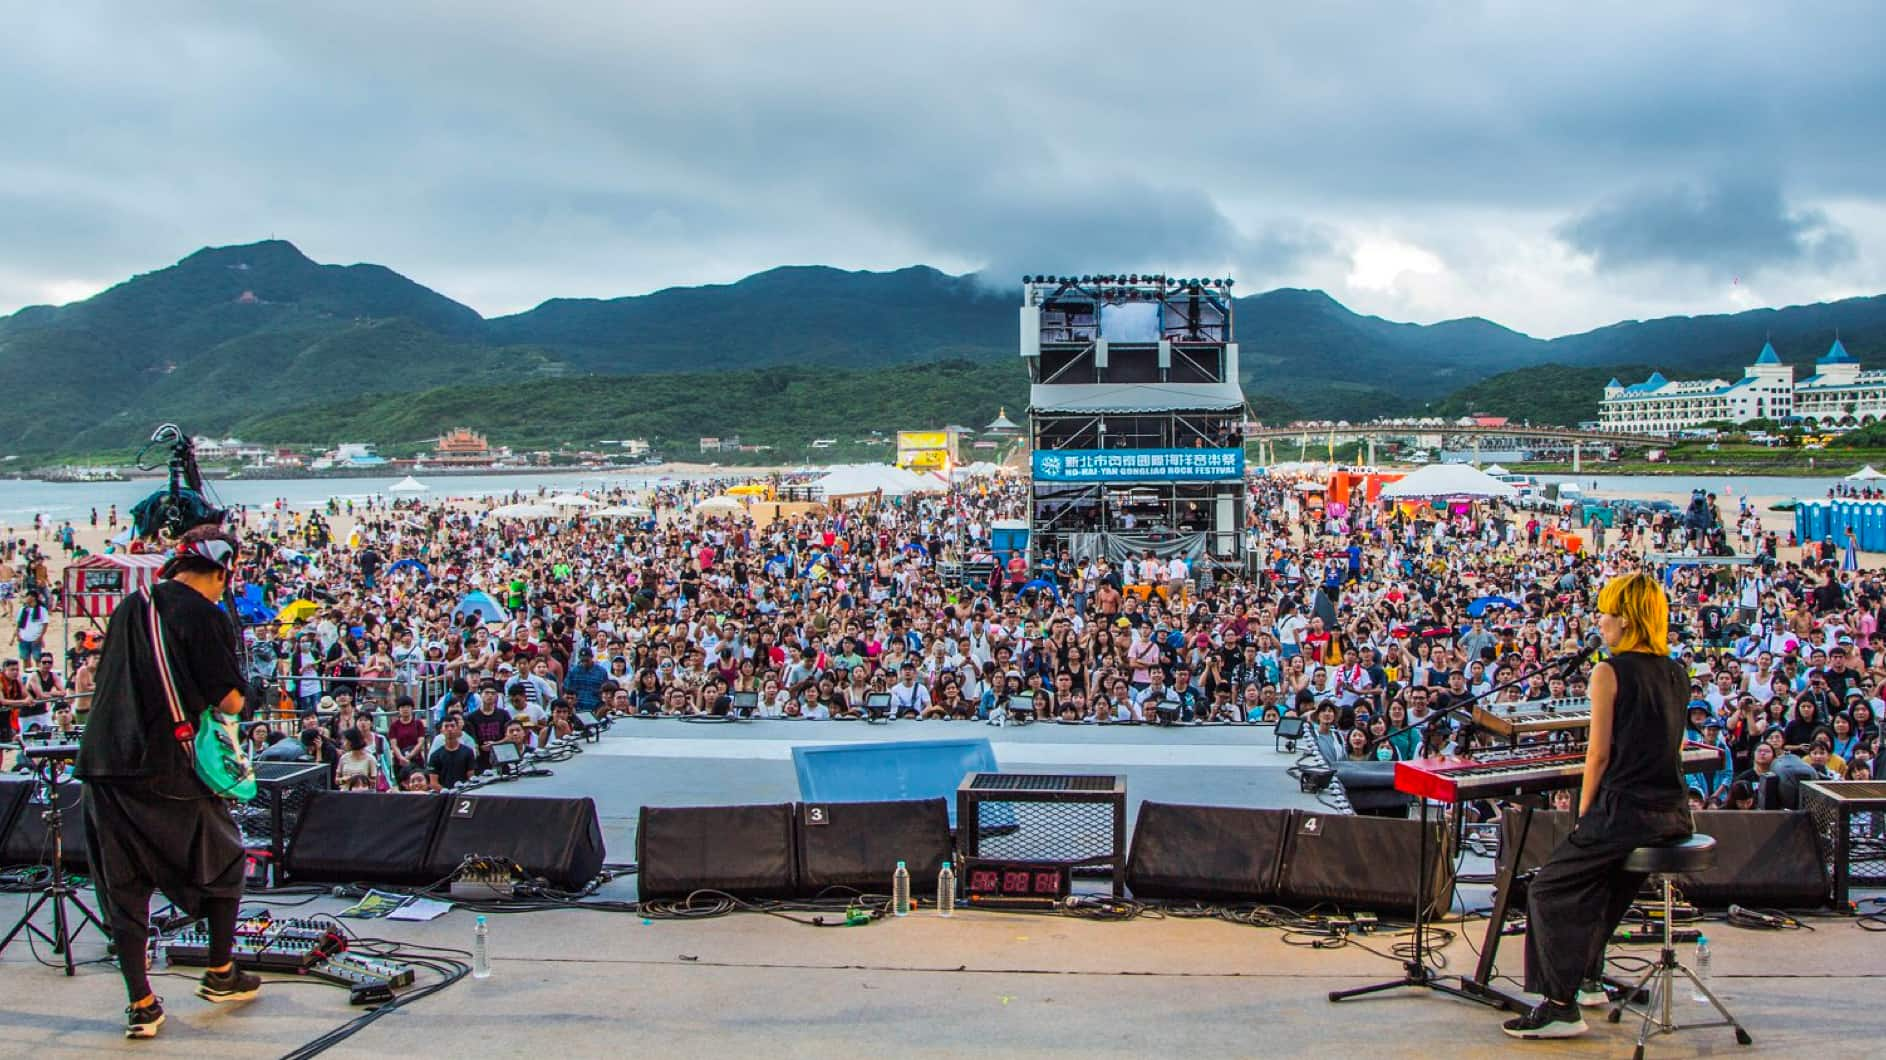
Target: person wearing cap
{"x":151,"y":823}
{"x":582,"y":685}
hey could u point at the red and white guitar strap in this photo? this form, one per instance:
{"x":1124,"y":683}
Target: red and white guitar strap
{"x":181,"y":728}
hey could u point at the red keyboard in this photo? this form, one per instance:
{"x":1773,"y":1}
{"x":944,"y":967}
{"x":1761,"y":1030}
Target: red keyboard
{"x":1447,"y":778}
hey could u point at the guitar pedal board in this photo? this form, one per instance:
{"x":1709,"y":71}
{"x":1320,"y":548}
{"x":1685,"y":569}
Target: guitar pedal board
{"x":294,"y":947}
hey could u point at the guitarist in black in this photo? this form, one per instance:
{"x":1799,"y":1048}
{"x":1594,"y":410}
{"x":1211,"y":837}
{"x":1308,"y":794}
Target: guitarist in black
{"x":151,"y":823}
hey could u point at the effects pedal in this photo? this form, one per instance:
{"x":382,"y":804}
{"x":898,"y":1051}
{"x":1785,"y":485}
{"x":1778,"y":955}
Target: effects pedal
{"x":1653,"y":936}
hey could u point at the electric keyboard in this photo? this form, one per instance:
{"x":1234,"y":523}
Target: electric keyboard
{"x":1518,"y":771}
{"x":1534,"y":715}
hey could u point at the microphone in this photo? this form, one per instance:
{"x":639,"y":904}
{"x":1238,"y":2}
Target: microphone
{"x":1593,"y":642}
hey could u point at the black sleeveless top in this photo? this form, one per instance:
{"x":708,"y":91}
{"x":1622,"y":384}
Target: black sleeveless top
{"x":1647,"y":719}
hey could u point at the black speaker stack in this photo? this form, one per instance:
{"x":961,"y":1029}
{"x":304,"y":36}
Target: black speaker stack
{"x":420,"y":840}
{"x":786,"y":850}
{"x":1297,"y":858}
{"x":1764,"y":858}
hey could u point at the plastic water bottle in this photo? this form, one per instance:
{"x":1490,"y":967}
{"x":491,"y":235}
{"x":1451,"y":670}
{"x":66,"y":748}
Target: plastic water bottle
{"x":900,"y":891}
{"x":1702,"y":969}
{"x":946,"y":891}
{"x":481,"y":950}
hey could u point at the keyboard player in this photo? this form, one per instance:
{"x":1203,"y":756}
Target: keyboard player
{"x":1632,"y":795}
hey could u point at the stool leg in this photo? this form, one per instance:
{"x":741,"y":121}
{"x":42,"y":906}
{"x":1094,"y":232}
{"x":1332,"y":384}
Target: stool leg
{"x":1741,"y":1035}
{"x":1623,"y":1003}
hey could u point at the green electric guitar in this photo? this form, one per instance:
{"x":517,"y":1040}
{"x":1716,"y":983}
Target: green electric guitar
{"x":212,"y":740}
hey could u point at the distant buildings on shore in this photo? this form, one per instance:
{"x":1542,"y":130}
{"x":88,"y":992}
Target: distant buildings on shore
{"x":1838,"y":394}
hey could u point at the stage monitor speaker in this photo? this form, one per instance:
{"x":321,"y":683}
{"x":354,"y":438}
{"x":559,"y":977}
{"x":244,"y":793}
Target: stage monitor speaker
{"x":1549,"y":828}
{"x":858,"y":844}
{"x":1362,"y":863}
{"x":363,"y":837}
{"x":15,"y":790}
{"x":27,"y":841}
{"x":746,"y":851}
{"x":1764,"y":858}
{"x":1209,"y":853}
{"x":555,"y":839}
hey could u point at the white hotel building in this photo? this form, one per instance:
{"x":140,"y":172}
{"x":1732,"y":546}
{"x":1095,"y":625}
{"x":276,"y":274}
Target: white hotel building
{"x":1838,"y":394}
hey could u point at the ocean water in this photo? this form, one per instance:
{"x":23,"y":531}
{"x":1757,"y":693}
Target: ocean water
{"x":21,"y":499}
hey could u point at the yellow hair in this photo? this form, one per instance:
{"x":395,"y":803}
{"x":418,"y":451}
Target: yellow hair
{"x":1641,"y":603}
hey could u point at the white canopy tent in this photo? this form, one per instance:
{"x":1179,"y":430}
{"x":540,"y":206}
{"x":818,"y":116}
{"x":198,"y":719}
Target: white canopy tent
{"x":622,"y":511}
{"x":858,"y":480}
{"x":1495,"y":469}
{"x":571,"y":500}
{"x":1447,"y":481}
{"x":1866,"y":474}
{"x":524,"y":511}
{"x":408,"y":484}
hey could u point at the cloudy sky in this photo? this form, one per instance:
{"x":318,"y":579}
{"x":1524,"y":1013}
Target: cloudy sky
{"x":1552,"y":167}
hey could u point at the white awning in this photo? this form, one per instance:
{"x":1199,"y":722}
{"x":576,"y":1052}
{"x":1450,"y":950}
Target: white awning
{"x":1134,"y":397}
{"x":1444,"y":481}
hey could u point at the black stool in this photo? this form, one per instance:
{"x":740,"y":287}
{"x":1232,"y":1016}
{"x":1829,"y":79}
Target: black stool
{"x":1694,"y":854}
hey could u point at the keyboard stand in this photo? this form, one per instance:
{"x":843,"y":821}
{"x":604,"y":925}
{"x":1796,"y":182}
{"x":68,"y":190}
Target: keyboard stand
{"x":1416,"y":971}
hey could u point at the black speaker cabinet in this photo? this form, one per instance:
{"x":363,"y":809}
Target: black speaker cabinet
{"x":1764,"y":858}
{"x":746,"y":851}
{"x":556,"y":839}
{"x":363,"y":837}
{"x":1362,"y":863}
{"x":1210,"y":853}
{"x":24,"y":839}
{"x":858,"y":844}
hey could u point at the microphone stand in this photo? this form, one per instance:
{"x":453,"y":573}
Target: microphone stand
{"x":1416,"y":971}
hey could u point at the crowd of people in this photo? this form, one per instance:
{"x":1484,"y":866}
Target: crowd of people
{"x":428,"y":633}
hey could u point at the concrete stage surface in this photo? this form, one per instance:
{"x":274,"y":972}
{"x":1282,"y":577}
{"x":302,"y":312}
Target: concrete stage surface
{"x":578,"y":983}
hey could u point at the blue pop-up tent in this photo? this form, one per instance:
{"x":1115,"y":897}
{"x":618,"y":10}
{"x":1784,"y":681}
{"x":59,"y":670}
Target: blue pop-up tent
{"x":480,"y":603}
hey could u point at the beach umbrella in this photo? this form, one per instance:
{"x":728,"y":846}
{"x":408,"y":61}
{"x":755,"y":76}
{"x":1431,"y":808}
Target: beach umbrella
{"x":478,"y":602}
{"x":720,"y":505}
{"x":408,"y":484}
{"x":622,"y":511}
{"x":571,"y":500}
{"x":296,"y":611}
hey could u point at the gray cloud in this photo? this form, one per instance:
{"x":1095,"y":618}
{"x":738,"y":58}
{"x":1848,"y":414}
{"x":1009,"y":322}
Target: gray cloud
{"x":1730,"y":226}
{"x":506,"y":154}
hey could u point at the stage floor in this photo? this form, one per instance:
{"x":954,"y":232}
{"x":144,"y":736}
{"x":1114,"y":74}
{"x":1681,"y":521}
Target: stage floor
{"x":570,"y":984}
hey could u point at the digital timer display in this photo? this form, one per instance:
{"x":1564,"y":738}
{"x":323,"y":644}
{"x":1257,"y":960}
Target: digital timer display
{"x":1016,"y":880}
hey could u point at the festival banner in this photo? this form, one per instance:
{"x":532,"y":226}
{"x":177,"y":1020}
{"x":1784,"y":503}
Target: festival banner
{"x":1138,"y":465}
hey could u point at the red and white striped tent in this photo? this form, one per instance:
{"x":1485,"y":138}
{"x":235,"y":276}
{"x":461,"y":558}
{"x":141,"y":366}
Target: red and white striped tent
{"x":95,"y":584}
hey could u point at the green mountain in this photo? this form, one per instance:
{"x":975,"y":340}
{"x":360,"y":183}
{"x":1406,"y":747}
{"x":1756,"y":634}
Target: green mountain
{"x":232,"y":336}
{"x":784,"y":406}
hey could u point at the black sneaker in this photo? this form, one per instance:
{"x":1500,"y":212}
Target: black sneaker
{"x":143,"y":1022}
{"x":1547,"y":1020}
{"x":233,"y":985}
